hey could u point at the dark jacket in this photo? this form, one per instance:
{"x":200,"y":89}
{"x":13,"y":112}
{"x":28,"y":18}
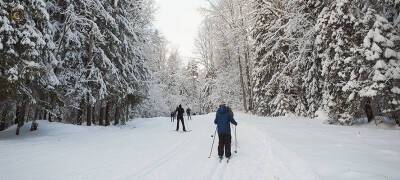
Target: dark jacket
{"x":223,"y":119}
{"x":180,"y":111}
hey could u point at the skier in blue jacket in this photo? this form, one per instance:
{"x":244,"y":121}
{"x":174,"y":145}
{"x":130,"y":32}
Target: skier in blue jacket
{"x":223,"y":119}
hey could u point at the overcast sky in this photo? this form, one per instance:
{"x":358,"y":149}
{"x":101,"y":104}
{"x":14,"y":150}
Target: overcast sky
{"x":178,"y":21}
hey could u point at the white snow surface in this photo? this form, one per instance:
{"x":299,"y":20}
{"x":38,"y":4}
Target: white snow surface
{"x":268,"y":148}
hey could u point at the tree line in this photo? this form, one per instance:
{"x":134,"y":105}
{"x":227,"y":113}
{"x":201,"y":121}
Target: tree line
{"x":101,"y":61}
{"x":303,"y":57}
{"x":73,"y":61}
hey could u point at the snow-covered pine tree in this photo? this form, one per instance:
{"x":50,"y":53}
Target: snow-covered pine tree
{"x":133,"y":34}
{"x":175,"y":90}
{"x":79,"y":53}
{"x":26,"y":50}
{"x":155,"y":104}
{"x":380,"y":57}
{"x":191,"y":85}
{"x":102,"y":46}
{"x":353,"y":36}
{"x":312,"y":78}
{"x":281,"y":35}
{"x":336,"y":45}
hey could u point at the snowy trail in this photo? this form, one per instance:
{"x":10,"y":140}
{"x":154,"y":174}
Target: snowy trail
{"x":268,"y":148}
{"x":188,"y":157}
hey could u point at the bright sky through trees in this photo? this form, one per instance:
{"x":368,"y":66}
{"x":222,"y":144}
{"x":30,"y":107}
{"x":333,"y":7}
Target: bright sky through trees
{"x":178,"y":21}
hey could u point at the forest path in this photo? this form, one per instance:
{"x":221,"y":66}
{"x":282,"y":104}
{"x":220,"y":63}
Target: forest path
{"x":268,"y":148}
{"x":186,"y":156}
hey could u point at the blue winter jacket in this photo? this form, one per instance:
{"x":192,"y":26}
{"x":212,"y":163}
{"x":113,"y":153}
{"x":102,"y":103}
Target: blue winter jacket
{"x":223,"y":119}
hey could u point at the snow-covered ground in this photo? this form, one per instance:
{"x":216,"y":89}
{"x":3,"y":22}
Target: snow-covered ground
{"x":268,"y":148}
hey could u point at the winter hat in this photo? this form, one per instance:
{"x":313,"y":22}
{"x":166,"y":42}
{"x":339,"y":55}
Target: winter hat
{"x":223,"y":102}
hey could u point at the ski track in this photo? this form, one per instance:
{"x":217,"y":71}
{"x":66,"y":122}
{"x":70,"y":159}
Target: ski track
{"x":157,"y":163}
{"x":253,"y":162}
{"x":212,"y":171}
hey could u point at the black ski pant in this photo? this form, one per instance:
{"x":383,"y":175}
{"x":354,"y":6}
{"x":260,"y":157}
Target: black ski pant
{"x":224,"y":144}
{"x":177,"y":123}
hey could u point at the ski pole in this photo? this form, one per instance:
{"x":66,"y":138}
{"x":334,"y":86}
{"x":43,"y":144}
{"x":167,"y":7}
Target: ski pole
{"x":212,"y":145}
{"x":235,"y":141}
{"x":187,"y":122}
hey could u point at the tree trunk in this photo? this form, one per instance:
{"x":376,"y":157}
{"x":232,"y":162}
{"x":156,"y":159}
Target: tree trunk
{"x":246,"y":60}
{"x":17,"y":112}
{"x":80,"y":112}
{"x":107,"y":114}
{"x":44,"y":115}
{"x":127,"y":113}
{"x":34,"y":124}
{"x":88,"y":113}
{"x":3,"y":119}
{"x":94,"y":114}
{"x":59,"y":118}
{"x":50,"y":117}
{"x":28,"y":113}
{"x":17,"y":118}
{"x":20,"y":116}
{"x":102,"y":112}
{"x":88,"y":65}
{"x":51,"y":112}
{"x":40,"y":114}
{"x":116,"y":115}
{"x":242,"y":81}
{"x":248,"y":77}
{"x":37,"y":112}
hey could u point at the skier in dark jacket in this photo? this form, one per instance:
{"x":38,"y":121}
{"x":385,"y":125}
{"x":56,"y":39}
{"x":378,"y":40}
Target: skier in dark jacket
{"x":223,"y":119}
{"x":172,"y":116}
{"x":188,"y":113}
{"x":180,"y":112}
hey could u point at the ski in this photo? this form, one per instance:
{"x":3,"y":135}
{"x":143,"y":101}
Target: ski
{"x":182,"y":131}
